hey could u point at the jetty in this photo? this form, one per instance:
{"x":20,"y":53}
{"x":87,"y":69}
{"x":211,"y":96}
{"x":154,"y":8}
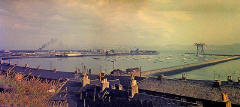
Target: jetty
{"x":187,"y":67}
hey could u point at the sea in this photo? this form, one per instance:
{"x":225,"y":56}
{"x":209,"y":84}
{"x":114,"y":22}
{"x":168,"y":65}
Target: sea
{"x":146,"y":62}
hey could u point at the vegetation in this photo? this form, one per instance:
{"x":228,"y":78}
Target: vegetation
{"x":28,"y":91}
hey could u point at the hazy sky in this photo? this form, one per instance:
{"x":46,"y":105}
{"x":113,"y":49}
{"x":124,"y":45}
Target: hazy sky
{"x":27,"y":24}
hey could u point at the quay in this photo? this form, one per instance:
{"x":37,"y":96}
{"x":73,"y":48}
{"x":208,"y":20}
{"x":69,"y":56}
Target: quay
{"x":84,"y":55}
{"x":187,"y":67}
{"x":17,"y":54}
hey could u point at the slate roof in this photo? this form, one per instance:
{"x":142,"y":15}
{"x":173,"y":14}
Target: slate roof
{"x":200,"y":89}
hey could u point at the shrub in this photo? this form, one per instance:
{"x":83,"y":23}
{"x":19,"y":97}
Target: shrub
{"x":29,"y":91}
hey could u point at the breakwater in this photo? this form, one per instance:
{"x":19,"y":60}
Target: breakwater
{"x":187,"y":67}
{"x":216,"y":54}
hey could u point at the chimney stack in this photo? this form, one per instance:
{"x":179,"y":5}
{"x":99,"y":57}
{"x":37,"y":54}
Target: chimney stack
{"x":38,"y":67}
{"x":226,"y":100}
{"x":101,"y":75}
{"x":1,"y":61}
{"x":134,"y":86}
{"x":84,"y":73}
{"x":90,"y":71}
{"x":76,"y":71}
{"x":113,"y":87}
{"x":10,"y":62}
{"x":217,"y":83}
{"x":85,"y":80}
{"x":55,"y":70}
{"x":161,"y":77}
{"x":229,"y":80}
{"x":225,"y":97}
{"x":119,"y":86}
{"x":104,"y":84}
{"x":238,"y":80}
{"x":184,"y":76}
{"x":26,"y":66}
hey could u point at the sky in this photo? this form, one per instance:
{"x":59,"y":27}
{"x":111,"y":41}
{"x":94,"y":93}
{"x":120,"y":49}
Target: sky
{"x":78,"y":24}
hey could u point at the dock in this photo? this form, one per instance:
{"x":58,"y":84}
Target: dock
{"x":187,"y":67}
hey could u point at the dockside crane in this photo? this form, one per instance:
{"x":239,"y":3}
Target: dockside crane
{"x":200,"y":48}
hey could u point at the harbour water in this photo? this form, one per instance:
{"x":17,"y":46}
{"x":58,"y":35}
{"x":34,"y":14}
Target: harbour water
{"x":146,"y":62}
{"x":216,"y":72}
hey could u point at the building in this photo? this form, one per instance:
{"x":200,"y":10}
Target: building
{"x":118,"y":72}
{"x":134,"y":71}
{"x":128,"y":72}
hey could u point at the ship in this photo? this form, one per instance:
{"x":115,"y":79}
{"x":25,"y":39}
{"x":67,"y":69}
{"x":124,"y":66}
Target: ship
{"x":68,"y":54}
{"x":143,"y":52}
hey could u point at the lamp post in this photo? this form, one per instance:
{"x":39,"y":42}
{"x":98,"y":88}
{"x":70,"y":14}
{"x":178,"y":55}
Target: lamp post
{"x":113,"y":64}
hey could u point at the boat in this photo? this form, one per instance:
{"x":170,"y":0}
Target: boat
{"x":96,"y":58}
{"x":168,"y":58}
{"x":143,"y":52}
{"x":69,"y":54}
